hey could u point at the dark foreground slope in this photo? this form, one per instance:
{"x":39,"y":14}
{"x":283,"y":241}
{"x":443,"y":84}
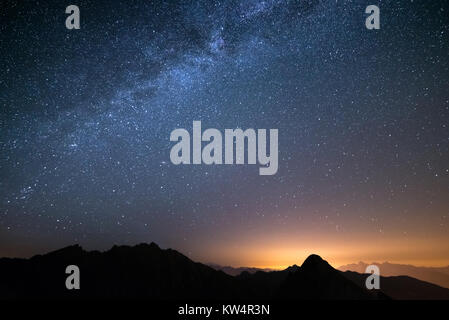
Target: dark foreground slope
{"x":404,"y":287}
{"x":148,"y":272}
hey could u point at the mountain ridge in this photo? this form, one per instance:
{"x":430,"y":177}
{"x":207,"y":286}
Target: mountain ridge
{"x":147,"y":271}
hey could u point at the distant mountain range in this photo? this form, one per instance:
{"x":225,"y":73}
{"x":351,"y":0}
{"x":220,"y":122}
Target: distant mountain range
{"x":439,"y":276}
{"x":236,"y":271}
{"x":149,"y":272}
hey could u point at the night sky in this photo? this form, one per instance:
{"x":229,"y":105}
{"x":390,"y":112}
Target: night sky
{"x":363,"y":120}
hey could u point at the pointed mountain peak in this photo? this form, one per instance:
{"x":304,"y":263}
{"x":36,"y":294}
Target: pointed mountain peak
{"x":313,"y":259}
{"x":315,"y":262}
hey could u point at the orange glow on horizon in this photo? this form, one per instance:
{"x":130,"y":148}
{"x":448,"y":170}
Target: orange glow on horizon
{"x":281,"y":251}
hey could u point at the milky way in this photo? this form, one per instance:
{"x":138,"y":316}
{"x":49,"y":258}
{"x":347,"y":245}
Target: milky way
{"x":86,"y":116}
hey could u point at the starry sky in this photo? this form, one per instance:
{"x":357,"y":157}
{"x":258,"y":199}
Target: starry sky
{"x":363,"y":120}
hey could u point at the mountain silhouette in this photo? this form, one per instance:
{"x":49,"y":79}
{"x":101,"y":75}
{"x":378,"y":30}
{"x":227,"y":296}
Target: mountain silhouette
{"x":316,"y":279}
{"x":142,"y":271}
{"x":149,"y":272}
